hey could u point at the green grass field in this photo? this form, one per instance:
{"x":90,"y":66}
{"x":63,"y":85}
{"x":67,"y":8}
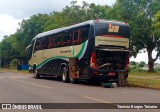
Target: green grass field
{"x":146,"y":80}
{"x":145,"y":74}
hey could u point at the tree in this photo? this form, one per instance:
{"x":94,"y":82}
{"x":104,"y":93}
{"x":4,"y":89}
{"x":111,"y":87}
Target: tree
{"x":29,"y":29}
{"x":76,"y":13}
{"x":133,"y":63}
{"x":142,"y":64}
{"x":156,"y":27}
{"x":7,"y":50}
{"x":139,"y":14}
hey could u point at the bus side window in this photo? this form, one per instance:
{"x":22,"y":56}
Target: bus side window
{"x":64,"y":41}
{"x":50,"y":42}
{"x":45,"y":43}
{"x":67,"y":38}
{"x":42,"y":43}
{"x":75,"y":37}
{"x":55,"y":40}
{"x":84,"y":35}
{"x":59,"y":39}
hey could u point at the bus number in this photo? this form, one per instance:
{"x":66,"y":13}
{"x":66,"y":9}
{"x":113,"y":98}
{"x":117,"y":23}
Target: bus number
{"x":113,"y":28}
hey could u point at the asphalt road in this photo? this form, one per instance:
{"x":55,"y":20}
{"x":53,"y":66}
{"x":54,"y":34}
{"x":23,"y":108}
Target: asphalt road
{"x":23,"y":88}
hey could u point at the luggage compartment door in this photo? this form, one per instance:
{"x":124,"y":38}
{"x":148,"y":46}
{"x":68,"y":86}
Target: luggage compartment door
{"x":73,"y":68}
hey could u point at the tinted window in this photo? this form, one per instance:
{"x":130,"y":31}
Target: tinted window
{"x":80,"y":34}
{"x":70,"y":37}
{"x":84,"y":33}
{"x":112,"y":28}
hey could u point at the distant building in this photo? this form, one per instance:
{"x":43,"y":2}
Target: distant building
{"x":156,"y":65}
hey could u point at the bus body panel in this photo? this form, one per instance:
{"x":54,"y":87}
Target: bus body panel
{"x":105,"y":39}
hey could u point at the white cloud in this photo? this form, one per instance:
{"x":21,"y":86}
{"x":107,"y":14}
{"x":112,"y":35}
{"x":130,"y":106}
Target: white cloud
{"x":99,"y":2}
{"x":144,"y":57}
{"x":24,"y":8}
{"x":8,"y":25}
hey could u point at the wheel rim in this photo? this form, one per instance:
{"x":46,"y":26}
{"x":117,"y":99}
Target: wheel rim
{"x":35,"y":73}
{"x":63,"y":75}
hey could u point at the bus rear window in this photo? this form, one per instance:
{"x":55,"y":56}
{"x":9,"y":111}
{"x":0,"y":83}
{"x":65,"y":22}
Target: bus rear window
{"x":112,"y":28}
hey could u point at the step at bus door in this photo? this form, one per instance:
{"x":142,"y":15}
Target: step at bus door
{"x":73,"y":68}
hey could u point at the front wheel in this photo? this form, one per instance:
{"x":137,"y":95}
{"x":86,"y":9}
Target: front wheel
{"x":64,"y":75}
{"x":36,"y":75}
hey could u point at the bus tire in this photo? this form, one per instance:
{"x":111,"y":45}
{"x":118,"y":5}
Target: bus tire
{"x":64,"y":75}
{"x":59,"y":78}
{"x":36,"y":75}
{"x":121,"y":80}
{"x":74,"y":80}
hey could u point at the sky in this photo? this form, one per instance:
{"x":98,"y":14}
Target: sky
{"x":13,"y":12}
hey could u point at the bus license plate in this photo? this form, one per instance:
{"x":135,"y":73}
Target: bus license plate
{"x":111,"y":73}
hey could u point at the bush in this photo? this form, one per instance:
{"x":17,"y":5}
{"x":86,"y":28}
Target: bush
{"x":14,"y":63}
{"x":157,"y":70}
{"x":136,"y":68}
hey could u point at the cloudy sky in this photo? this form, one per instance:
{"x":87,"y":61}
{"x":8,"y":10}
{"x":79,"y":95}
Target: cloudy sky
{"x":13,"y":12}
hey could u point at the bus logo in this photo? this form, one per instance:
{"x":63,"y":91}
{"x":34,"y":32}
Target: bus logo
{"x":113,"y":28}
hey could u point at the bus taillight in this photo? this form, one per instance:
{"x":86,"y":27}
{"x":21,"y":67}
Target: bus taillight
{"x":93,"y":61}
{"x":127,"y":62}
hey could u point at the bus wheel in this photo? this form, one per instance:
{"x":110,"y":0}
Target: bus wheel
{"x":64,"y":74}
{"x":36,"y":75}
{"x":74,"y":80}
{"x":121,"y":80}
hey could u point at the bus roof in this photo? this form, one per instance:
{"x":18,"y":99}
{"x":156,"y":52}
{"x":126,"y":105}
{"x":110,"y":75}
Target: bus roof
{"x":61,"y":29}
{"x":78,"y":25}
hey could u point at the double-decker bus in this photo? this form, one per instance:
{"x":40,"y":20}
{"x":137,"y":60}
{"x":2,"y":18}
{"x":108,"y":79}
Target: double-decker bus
{"x":93,"y":50}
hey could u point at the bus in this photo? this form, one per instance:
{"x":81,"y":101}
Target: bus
{"x":96,"y":50}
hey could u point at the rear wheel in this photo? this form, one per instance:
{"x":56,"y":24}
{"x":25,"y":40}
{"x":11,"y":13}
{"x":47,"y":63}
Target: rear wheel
{"x":64,"y":75}
{"x":74,"y":80}
{"x":121,"y":80}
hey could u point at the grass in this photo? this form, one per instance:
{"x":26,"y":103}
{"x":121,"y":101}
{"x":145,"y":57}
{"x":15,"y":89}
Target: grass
{"x":14,"y":70}
{"x":146,"y":80}
{"x":145,"y":74}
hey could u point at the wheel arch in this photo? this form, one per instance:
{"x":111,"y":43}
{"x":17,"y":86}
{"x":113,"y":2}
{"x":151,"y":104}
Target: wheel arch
{"x":34,"y":67}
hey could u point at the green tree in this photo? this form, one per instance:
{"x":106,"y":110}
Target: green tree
{"x":142,"y":64}
{"x":29,"y":29}
{"x":139,"y":14}
{"x":133,"y":63}
{"x":156,"y":31}
{"x":7,"y":50}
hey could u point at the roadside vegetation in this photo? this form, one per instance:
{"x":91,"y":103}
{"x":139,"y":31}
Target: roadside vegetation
{"x":140,"y":77}
{"x":144,"y":79}
{"x":141,"y":67}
